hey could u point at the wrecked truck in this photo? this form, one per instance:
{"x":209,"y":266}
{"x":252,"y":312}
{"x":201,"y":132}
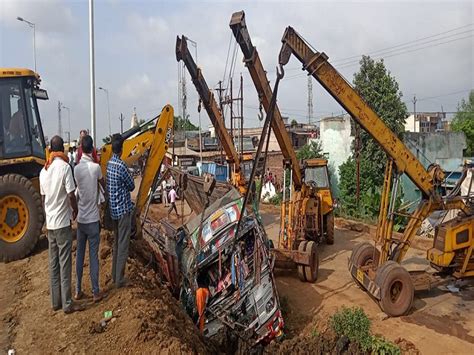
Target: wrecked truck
{"x":238,"y":268}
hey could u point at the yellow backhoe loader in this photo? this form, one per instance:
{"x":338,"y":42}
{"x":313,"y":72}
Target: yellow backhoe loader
{"x":22,"y":156}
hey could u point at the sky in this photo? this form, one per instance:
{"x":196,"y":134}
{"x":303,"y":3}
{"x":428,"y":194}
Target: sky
{"x":428,"y":46}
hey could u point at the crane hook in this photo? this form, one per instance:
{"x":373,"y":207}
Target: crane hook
{"x":280,"y":71}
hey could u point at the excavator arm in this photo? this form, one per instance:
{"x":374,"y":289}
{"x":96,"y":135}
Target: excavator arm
{"x":317,"y":65}
{"x":262,"y":84}
{"x":158,"y":148}
{"x":210,"y":104}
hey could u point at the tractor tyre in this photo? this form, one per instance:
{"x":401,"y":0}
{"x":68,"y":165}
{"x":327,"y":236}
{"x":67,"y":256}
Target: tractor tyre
{"x":300,"y":268}
{"x":365,"y":254}
{"x":311,"y":271}
{"x":396,"y":289}
{"x":329,"y":219}
{"x":21,"y":217}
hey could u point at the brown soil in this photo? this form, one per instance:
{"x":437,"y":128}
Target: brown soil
{"x":146,"y":318}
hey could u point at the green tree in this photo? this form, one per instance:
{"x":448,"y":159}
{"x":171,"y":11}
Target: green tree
{"x":181,"y":124}
{"x":381,"y":92}
{"x":464,"y":122}
{"x":310,"y":150}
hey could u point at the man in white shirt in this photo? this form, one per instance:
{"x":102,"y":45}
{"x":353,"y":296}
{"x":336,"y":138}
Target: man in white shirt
{"x":164,"y":193}
{"x":172,"y":199}
{"x":88,"y":175}
{"x":57,"y":188}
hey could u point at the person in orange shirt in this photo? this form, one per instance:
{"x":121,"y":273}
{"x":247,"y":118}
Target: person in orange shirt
{"x":202,"y":296}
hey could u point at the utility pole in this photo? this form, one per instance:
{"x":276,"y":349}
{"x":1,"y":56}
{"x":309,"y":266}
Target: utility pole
{"x":220,"y":90}
{"x":414,"y":112}
{"x":310,"y":99}
{"x":68,"y":120}
{"x":92,"y":68}
{"x":121,"y":118}
{"x":60,"y":126}
{"x":241,"y":116}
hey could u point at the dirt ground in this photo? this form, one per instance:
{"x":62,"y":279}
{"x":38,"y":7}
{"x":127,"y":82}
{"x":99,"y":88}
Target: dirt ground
{"x":146,"y":318}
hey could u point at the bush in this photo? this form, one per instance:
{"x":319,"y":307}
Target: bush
{"x":354,"y":324}
{"x":382,"y":346}
{"x":276,"y":200}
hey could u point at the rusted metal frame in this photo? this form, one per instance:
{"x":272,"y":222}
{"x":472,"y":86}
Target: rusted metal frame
{"x":383,"y":238}
{"x":351,"y":101}
{"x":383,"y":201}
{"x":264,"y":90}
{"x":421,"y":213}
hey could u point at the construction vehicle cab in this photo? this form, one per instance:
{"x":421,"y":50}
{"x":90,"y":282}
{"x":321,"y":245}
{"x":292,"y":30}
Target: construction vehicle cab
{"x":318,"y":201}
{"x":22,"y":156}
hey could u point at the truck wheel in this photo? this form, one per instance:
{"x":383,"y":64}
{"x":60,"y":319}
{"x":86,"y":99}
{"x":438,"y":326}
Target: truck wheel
{"x":365,"y":254}
{"x":329,"y":219}
{"x":311,"y":271}
{"x":21,"y":217}
{"x":301,"y":273}
{"x":396,"y":289}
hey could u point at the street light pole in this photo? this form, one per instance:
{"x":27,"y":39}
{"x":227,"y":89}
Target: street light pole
{"x":108,"y":107}
{"x":33,"y":26}
{"x":69,"y":122}
{"x":92,"y":68}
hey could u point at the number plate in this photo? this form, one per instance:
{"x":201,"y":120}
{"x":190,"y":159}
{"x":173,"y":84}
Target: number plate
{"x":360,"y":276}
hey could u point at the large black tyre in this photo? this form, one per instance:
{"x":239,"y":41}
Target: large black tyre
{"x":329,"y":224}
{"x":21,"y":217}
{"x":300,"y":268}
{"x":396,"y":289}
{"x":311,"y":272}
{"x":365,"y":254}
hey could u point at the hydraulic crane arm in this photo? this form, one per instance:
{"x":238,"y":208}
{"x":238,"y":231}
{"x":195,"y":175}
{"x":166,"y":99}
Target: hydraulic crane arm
{"x":259,"y":77}
{"x":158,"y":148}
{"x":317,"y":65}
{"x":207,"y":97}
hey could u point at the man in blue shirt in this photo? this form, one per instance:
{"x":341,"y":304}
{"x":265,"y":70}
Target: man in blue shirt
{"x":119,"y":185}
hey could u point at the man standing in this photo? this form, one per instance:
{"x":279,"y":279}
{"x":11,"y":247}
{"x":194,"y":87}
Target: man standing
{"x":57,"y":187}
{"x":88,"y":175}
{"x":78,"y":153}
{"x":164,"y":193}
{"x":172,"y":200}
{"x":119,"y":185}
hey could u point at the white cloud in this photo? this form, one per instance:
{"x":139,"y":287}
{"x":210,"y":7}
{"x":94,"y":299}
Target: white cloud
{"x":151,"y":31}
{"x":47,"y":15}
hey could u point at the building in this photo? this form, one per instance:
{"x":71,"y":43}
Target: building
{"x":443,"y":148}
{"x":337,"y":135}
{"x":427,"y":122}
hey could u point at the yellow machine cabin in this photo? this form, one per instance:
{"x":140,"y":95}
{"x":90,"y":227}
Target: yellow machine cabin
{"x":22,"y":156}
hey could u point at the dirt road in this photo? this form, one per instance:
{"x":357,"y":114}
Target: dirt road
{"x":148,"y":319}
{"x":441,"y":322}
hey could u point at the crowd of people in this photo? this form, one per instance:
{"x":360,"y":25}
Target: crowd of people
{"x":72,"y":189}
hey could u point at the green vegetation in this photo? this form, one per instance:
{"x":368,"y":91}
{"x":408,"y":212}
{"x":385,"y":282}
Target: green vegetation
{"x":355,"y":325}
{"x":464,"y":122}
{"x":381,"y":91}
{"x":181,"y":124}
{"x":310,"y":151}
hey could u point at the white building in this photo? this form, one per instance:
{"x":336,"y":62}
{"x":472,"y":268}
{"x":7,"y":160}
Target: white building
{"x":336,"y":136}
